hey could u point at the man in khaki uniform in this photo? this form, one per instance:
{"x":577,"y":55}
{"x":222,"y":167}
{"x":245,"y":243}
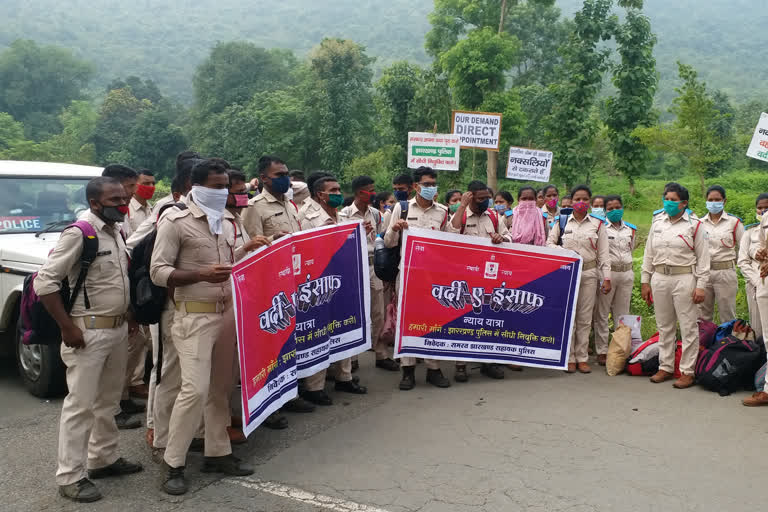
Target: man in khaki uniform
{"x":364,"y":189}
{"x":750,"y":269}
{"x":725,"y":232}
{"x":674,"y":279}
{"x":474,"y":218}
{"x":621,"y":242}
{"x":586,"y":235}
{"x":755,"y":243}
{"x":94,"y":343}
{"x":423,"y":212}
{"x":193,"y":254}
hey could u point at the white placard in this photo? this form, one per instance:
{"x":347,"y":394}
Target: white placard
{"x":479,"y":130}
{"x":529,"y":164}
{"x":758,"y":148}
{"x":439,"y":151}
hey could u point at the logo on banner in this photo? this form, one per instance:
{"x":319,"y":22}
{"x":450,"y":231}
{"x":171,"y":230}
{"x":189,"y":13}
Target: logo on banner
{"x":296,"y":264}
{"x":491,"y":269}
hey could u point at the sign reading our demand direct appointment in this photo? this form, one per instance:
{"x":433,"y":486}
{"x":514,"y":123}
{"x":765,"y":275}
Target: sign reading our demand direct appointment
{"x":439,"y":151}
{"x":529,"y":164}
{"x":758,"y":149}
{"x":479,"y":130}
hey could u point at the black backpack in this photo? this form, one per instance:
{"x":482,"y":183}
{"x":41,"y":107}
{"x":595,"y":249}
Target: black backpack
{"x":147,"y":299}
{"x":386,"y":260}
{"x":729,"y":365}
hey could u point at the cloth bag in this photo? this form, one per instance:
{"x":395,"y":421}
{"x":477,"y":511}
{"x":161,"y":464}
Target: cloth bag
{"x":619,"y":350}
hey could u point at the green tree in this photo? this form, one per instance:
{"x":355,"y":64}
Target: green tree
{"x":36,"y":82}
{"x":74,"y":144}
{"x":635,"y":79}
{"x":395,"y":95}
{"x":141,"y":89}
{"x":11,"y":131}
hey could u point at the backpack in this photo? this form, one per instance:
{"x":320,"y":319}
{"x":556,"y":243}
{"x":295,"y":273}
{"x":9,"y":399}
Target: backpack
{"x":644,"y":360}
{"x":565,"y":213}
{"x":707,"y":332}
{"x":37,"y":326}
{"x":386,"y":260}
{"x":729,"y":365}
{"x":147,"y":299}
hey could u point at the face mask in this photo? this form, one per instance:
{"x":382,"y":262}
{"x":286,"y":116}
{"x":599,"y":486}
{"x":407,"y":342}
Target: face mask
{"x":599,"y":212}
{"x":335,"y":200}
{"x":580,"y":206}
{"x":114,"y":213}
{"x":401,"y":195}
{"x":241,"y":200}
{"x":213,"y":199}
{"x":145,"y":191}
{"x":552,"y":203}
{"x":615,"y":215}
{"x":501,"y":208}
{"x":454,"y":207}
{"x":715,"y":206}
{"x":387,"y":207}
{"x":428,"y":193}
{"x":672,"y":207}
{"x":368,"y":197}
{"x":289,"y":194}
{"x":281,"y":185}
{"x":759,"y":216}
{"x":484,"y":205}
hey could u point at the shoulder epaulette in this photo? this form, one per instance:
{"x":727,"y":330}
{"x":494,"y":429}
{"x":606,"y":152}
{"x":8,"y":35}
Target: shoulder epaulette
{"x":736,"y":217}
{"x":601,"y":219}
{"x":748,"y":226}
{"x":556,"y":218}
{"x":631,"y":226}
{"x":545,"y":215}
{"x":658,"y":211}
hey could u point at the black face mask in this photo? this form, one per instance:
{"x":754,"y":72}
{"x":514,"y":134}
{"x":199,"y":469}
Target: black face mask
{"x":483,"y":205}
{"x":112,"y":213}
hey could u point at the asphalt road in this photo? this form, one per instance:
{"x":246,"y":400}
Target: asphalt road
{"x":538,"y":441}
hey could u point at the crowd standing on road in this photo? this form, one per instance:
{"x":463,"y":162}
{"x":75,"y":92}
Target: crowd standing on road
{"x":214,"y":216}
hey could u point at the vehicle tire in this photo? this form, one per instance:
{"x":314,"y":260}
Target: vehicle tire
{"x":41,"y":368}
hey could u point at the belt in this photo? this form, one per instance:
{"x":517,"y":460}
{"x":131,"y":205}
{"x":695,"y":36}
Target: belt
{"x":621,"y":267}
{"x":191,"y":306}
{"x":721,"y":265}
{"x":370,"y":259}
{"x":670,"y":270}
{"x":589,"y":266}
{"x":99,"y":322}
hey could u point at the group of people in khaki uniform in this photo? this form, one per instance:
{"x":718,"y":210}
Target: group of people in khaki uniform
{"x":208,"y":223}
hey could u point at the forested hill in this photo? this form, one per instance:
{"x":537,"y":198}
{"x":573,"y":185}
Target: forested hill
{"x":166,"y":39}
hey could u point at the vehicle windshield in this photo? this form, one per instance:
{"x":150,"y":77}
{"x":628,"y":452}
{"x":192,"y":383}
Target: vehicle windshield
{"x":29,"y":205}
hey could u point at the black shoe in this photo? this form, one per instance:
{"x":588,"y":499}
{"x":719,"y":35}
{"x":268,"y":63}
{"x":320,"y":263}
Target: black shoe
{"x":332,"y":378}
{"x":276,"y":421}
{"x":197,"y":445}
{"x":131,"y":407}
{"x":298,"y":405}
{"x":228,"y":464}
{"x":388,"y":364}
{"x":350,"y":386}
{"x":461,"y":374}
{"x":355,"y":366}
{"x":409,"y":378}
{"x":492,"y":370}
{"x":436,"y":378}
{"x":125,"y":422}
{"x":175,"y":483}
{"x":82,"y":491}
{"x":317,"y":397}
{"x":118,"y":468}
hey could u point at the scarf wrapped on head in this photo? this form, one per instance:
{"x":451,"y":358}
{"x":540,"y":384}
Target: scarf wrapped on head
{"x":528,"y":224}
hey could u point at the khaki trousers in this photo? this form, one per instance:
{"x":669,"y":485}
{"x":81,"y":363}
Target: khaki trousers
{"x":168,"y":388}
{"x":761,"y":298}
{"x":590,"y":282}
{"x":153,"y":330}
{"x":616,"y":302}
{"x":673,"y":303}
{"x":137,"y":355}
{"x":754,"y":310}
{"x":723,"y":287}
{"x":88,"y":434}
{"x":378,"y":312}
{"x":205,"y":343}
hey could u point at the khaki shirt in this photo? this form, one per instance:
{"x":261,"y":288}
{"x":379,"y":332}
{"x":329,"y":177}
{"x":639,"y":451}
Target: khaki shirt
{"x":371,"y":215}
{"x":241,"y":237}
{"x":433,"y":217}
{"x":748,"y":247}
{"x":300,"y":191}
{"x":550,"y":217}
{"x":267,"y":216}
{"x":148,"y":225}
{"x":482,"y":225}
{"x":184,"y":242}
{"x":107,"y":280}
{"x":724,"y":237}
{"x":138,"y":213}
{"x":673,"y":243}
{"x":621,"y":242}
{"x":588,"y":238}
{"x":315,"y":216}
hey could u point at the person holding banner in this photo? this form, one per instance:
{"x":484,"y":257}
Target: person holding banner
{"x":528,"y":223}
{"x":503,"y":202}
{"x":621,"y":242}
{"x":674,"y":279}
{"x":749,"y":264}
{"x":474,"y":218}
{"x":584,"y":234}
{"x":194,"y":254}
{"x":725,"y":232}
{"x":426,"y":213}
{"x":364,"y":189}
{"x":271,"y":213}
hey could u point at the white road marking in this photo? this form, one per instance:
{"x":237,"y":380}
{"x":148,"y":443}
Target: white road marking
{"x":300,"y":495}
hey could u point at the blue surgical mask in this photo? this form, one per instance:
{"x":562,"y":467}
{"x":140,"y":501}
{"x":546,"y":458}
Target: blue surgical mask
{"x":401,"y":195}
{"x":598,"y":212}
{"x":715,"y":206}
{"x":428,"y":193}
{"x":501,"y":208}
{"x":281,"y":185}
